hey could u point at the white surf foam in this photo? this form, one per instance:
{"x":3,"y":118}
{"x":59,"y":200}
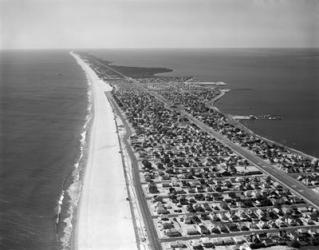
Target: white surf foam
{"x":74,"y":190}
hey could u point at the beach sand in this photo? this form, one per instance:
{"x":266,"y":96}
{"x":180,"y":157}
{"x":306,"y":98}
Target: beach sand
{"x":104,"y":217}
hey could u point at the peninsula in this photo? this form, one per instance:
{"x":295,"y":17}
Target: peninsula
{"x":194,"y":178}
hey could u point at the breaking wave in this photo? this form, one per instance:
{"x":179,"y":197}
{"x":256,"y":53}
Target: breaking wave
{"x":71,"y":194}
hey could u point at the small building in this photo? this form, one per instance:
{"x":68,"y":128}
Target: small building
{"x":192,"y":231}
{"x":172,"y":232}
{"x":152,"y":188}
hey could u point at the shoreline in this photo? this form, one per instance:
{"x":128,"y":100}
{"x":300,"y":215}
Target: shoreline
{"x":81,"y":177}
{"x":98,"y":207}
{"x":74,"y":237}
{"x":248,"y":130}
{"x":69,"y":200}
{"x":126,"y":99}
{"x":214,"y":101}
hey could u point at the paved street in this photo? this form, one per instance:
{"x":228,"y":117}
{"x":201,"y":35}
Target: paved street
{"x":152,"y":234}
{"x":289,"y":182}
{"x":295,"y":186}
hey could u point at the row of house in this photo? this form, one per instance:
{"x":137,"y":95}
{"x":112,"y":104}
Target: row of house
{"x":196,"y":104}
{"x":195,"y":185}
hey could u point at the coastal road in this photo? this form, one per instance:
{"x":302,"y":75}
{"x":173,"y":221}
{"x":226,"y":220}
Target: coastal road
{"x":147,"y":217}
{"x":150,"y":227}
{"x":103,"y":64}
{"x":289,"y":182}
{"x":292,"y":184}
{"x":104,"y":216}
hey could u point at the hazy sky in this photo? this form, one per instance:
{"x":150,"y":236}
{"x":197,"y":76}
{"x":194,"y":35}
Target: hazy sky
{"x":158,"y":23}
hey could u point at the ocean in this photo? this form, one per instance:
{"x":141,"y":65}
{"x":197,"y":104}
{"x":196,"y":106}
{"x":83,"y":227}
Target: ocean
{"x":281,"y":82}
{"x":44,"y":101}
{"x":44,"y":115}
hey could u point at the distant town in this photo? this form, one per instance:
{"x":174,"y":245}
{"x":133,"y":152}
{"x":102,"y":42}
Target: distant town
{"x":202,"y":179}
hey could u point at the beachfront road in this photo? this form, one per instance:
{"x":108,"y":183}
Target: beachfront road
{"x":148,"y":221}
{"x":104,"y":215}
{"x":284,"y":179}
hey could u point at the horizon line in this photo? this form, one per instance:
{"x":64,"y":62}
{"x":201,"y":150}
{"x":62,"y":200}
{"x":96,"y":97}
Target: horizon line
{"x":153,"y":48}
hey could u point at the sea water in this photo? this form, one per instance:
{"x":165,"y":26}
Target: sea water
{"x":45,"y":114}
{"x":281,"y":82}
{"x":43,"y":118}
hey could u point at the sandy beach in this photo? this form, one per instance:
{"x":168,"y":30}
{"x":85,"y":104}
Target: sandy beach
{"x":104,"y":216}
